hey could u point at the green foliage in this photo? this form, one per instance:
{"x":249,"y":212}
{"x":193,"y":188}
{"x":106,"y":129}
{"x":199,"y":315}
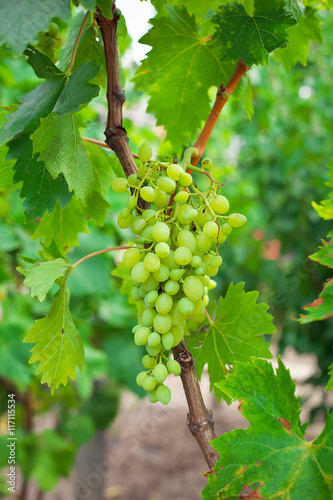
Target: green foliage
{"x":41,"y":276}
{"x":20,"y":26}
{"x":58,"y":345}
{"x":273,"y":442}
{"x":322,"y":307}
{"x":173,"y":75}
{"x":251,"y":37}
{"x":235,"y":333}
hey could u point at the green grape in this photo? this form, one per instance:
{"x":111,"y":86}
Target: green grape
{"x":119,"y":185}
{"x":183,"y":256}
{"x":176,"y":316}
{"x":154,"y":351}
{"x":178,"y":334}
{"x":148,"y":316}
{"x":147,"y":233}
{"x":152,"y":396}
{"x":210,"y":271}
{"x":190,"y":214}
{"x":149,"y":383}
{"x":51,"y":54}
{"x":187,"y":239}
{"x":162,"y":323}
{"x":132,"y":202}
{"x":176,"y":274}
{"x":180,"y":214}
{"x":220,"y":204}
{"x":173,"y":367}
{"x":206,"y":163}
{"x":154,"y":339}
{"x":185,"y":179}
{"x":141,"y":377}
{"x":148,"y":361}
{"x":139,"y":273}
{"x":53,"y":29}
{"x":164,"y":303}
{"x":145,"y":152}
{"x":161,"y":198}
{"x":160,"y":373}
{"x":58,"y":41}
{"x":161,"y":232}
{"x":50,"y":43}
{"x":196,"y":261}
{"x":174,"y":170}
{"x":149,"y":213}
{"x":222,"y":237}
{"x":203,"y":217}
{"x":136,"y":328}
{"x":162,"y":249}
{"x":171,"y":287}
{"x":125,"y":213}
{"x":226,"y":229}
{"x":152,"y":296}
{"x":131,"y":257}
{"x":215,"y":261}
{"x":135,"y":294}
{"x":162,"y":274}
{"x":237,"y":220}
{"x":141,"y":171}
{"x":142,"y":291}
{"x":169,"y":261}
{"x":125,"y":223}
{"x":199,"y":308}
{"x":133,"y":180}
{"x":138,"y":225}
{"x":181,"y":197}
{"x":211,"y":285}
{"x":147,"y":193}
{"x":42,"y":39}
{"x":141,"y":335}
{"x":163,"y":394}
{"x":193,"y":288}
{"x":210,"y":230}
{"x":166,"y":184}
{"x":167,"y":341}
{"x":203,"y":243}
{"x":150,"y":284}
{"x":185,"y":306}
{"x":152,"y":262}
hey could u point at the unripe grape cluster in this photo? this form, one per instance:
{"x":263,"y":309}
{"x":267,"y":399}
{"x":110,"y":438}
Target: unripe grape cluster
{"x":49,"y":41}
{"x":175,"y":258}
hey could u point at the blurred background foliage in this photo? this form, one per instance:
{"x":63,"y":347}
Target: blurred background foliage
{"x":272,"y":168}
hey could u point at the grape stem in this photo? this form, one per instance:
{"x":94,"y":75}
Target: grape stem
{"x":86,"y":257}
{"x":199,"y":193}
{"x":77,"y":41}
{"x":102,"y":144}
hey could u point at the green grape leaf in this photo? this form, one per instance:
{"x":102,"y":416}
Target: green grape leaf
{"x":6,"y":170}
{"x":270,"y":459}
{"x":14,"y":355}
{"x":106,"y":167}
{"x":325,"y":209}
{"x":45,"y":456}
{"x":251,"y":38}
{"x":173,"y":74}
{"x":294,"y":8}
{"x":49,"y":252}
{"x":196,"y":7}
{"x":40,"y":101}
{"x":21,"y":20}
{"x":97,"y":207}
{"x":39,"y":189}
{"x":126,"y":287}
{"x":235,"y":334}
{"x":58,"y":348}
{"x":88,"y":4}
{"x":90,"y":47}
{"x":247,"y":101}
{"x":105,"y":7}
{"x":323,"y":4}
{"x":325,"y":254}
{"x":322,"y":307}
{"x":59,"y":143}
{"x":309,"y":28}
{"x":329,"y":386}
{"x":41,"y":276}
{"x":62,"y":226}
{"x":78,"y":91}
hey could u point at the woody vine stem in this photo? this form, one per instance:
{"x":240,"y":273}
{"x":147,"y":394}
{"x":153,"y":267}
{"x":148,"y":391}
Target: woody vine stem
{"x":199,"y":419}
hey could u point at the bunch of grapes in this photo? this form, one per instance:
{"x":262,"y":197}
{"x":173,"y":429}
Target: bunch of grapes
{"x":49,"y":41}
{"x":175,"y":259}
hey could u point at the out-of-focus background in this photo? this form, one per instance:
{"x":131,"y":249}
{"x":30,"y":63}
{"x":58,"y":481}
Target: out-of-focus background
{"x":272,"y":168}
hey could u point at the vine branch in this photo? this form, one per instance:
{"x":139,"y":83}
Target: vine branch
{"x":77,"y":41}
{"x":101,"y":143}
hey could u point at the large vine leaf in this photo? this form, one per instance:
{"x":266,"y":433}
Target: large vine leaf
{"x":59,"y":143}
{"x":106,"y":167}
{"x":308,"y":28}
{"x":58,"y":348}
{"x":90,"y":47}
{"x":21,"y":20}
{"x":196,"y":7}
{"x":179,"y":70}
{"x":325,"y":253}
{"x":270,"y":459}
{"x":322,"y":307}
{"x":62,"y":226}
{"x":40,"y":190}
{"x":251,"y":37}
{"x":41,"y":276}
{"x":235,"y":334}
